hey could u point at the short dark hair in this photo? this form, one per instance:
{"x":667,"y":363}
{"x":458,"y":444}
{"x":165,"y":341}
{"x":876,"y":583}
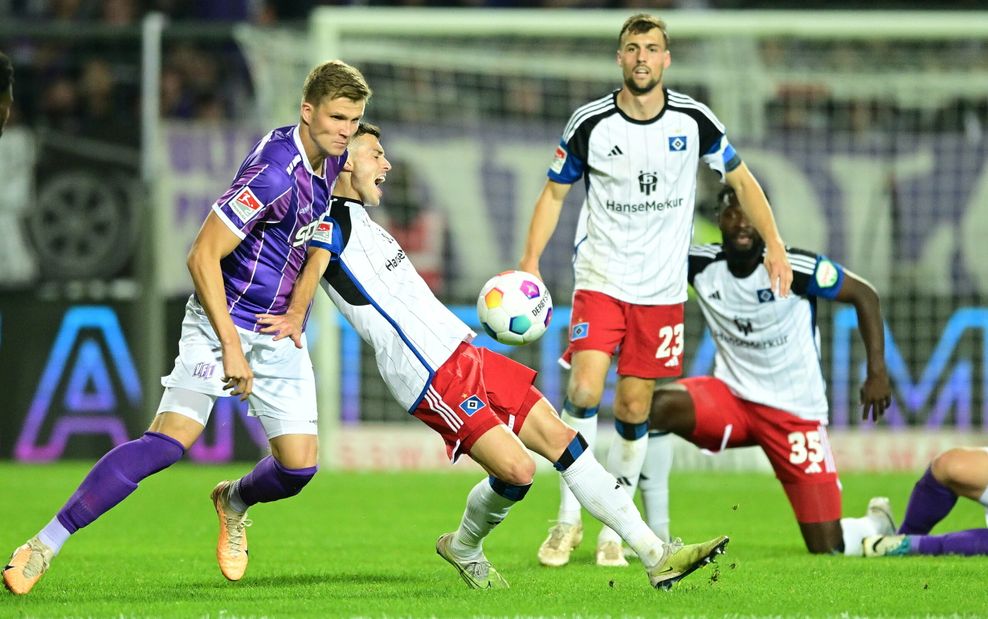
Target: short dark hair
{"x":6,"y":73}
{"x":726,"y":193}
{"x":641,"y":23}
{"x":367,"y":129}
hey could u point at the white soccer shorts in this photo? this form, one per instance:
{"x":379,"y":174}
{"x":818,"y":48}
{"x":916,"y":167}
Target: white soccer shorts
{"x":284,"y":382}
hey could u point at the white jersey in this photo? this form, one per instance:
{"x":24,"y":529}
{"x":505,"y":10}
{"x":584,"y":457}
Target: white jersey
{"x":767,"y":347}
{"x":636,"y":223}
{"x":379,"y":292}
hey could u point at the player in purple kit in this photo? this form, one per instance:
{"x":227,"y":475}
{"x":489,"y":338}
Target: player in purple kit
{"x":244,"y":262}
{"x":957,"y":472}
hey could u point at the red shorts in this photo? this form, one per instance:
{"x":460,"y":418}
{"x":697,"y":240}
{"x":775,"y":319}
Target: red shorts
{"x":650,"y":337}
{"x":798,"y":449}
{"x":475,"y":390}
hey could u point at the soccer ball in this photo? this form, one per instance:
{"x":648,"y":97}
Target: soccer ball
{"x":514,"y":307}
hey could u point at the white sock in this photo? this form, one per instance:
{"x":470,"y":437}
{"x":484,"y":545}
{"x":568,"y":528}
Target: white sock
{"x":984,"y":501}
{"x":54,"y":535}
{"x":233,"y":498}
{"x":654,"y":483}
{"x":608,"y":502}
{"x":485,"y":510}
{"x":854,"y":531}
{"x":624,"y":462}
{"x":569,"y":506}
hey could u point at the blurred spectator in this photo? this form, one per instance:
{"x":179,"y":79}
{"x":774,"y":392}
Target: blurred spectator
{"x":6,"y":89}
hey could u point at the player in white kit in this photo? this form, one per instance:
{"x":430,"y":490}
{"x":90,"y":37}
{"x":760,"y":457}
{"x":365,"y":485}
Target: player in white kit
{"x":482,"y":403}
{"x":243,"y":262}
{"x":637,"y":149}
{"x":767,"y":387}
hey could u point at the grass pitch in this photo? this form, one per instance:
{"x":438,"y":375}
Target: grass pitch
{"x":363,"y":545}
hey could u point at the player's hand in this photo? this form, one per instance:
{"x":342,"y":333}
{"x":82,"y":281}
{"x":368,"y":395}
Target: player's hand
{"x":876,"y":395}
{"x":530,"y":266}
{"x":238,"y":378}
{"x":282,"y":325}
{"x":779,"y":269}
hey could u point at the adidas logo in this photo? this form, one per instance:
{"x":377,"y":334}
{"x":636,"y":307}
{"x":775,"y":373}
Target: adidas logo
{"x":672,"y":362}
{"x":615,"y":151}
{"x":715,"y":295}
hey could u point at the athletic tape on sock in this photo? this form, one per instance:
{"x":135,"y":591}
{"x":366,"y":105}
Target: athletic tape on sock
{"x":508,"y":491}
{"x":631,"y":431}
{"x":580,"y":412}
{"x":573,"y":451}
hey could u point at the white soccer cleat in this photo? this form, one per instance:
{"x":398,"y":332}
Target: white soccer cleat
{"x":886,"y":545}
{"x":611,"y":554}
{"x":880,"y":512}
{"x":563,"y":538}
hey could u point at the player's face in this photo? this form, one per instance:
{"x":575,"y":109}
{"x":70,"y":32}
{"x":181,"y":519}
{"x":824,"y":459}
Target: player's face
{"x":331,"y":123}
{"x":368,"y":168}
{"x":740,"y":237}
{"x":6,"y":100}
{"x":643,"y":57}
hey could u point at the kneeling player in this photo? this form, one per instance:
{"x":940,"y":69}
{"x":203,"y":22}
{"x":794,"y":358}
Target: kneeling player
{"x":961,"y":471}
{"x":767,"y":388}
{"x":483,"y":404}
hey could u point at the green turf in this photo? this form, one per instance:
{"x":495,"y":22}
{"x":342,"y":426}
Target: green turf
{"x":364,"y":545}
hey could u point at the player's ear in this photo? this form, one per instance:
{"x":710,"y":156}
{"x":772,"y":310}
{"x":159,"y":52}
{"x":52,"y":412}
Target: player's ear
{"x":306,"y":112}
{"x":667,"y":61}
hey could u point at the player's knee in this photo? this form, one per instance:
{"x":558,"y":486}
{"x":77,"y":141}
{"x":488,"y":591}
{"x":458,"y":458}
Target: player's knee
{"x":948,"y":466}
{"x":631,"y":410}
{"x":584,"y":392}
{"x":518,"y":471}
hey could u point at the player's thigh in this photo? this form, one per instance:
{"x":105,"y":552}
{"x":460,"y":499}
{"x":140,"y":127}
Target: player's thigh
{"x":199,"y":365}
{"x":633,"y":398}
{"x":653,"y":343}
{"x":720,"y":419}
{"x":597,"y":326}
{"x":544,"y":432}
{"x":800,"y":454}
{"x":963,"y":469}
{"x":502,"y":455}
{"x":284,"y":394}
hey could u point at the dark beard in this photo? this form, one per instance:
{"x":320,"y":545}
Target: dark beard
{"x":635,"y":90}
{"x":744,"y":261}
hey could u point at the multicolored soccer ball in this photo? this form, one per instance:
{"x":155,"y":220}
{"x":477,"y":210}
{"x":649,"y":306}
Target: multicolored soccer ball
{"x":514,"y":307}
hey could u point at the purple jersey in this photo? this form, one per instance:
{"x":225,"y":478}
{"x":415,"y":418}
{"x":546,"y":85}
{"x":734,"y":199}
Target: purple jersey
{"x":274,"y":206}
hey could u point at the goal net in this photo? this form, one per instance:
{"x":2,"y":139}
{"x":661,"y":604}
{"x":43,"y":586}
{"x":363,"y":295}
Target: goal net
{"x":868,"y":131}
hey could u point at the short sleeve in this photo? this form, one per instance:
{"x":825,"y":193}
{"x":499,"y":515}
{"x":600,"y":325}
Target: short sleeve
{"x":815,"y":275}
{"x":721,"y":157}
{"x":327,"y":235}
{"x":254,"y":196}
{"x":567,"y":167}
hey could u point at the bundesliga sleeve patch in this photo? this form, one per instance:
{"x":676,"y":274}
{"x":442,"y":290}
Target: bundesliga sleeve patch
{"x":245,"y":204}
{"x":323,"y":233}
{"x":559,"y":160}
{"x":826,"y":274}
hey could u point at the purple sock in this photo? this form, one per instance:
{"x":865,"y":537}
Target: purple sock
{"x":929,"y":503}
{"x":969,"y":543}
{"x":116,"y":475}
{"x":269,"y":481}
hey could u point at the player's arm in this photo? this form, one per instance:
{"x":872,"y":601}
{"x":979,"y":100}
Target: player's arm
{"x":756,"y":208}
{"x":290,"y":323}
{"x":876,"y":392}
{"x":544,"y":221}
{"x":214,"y":242}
